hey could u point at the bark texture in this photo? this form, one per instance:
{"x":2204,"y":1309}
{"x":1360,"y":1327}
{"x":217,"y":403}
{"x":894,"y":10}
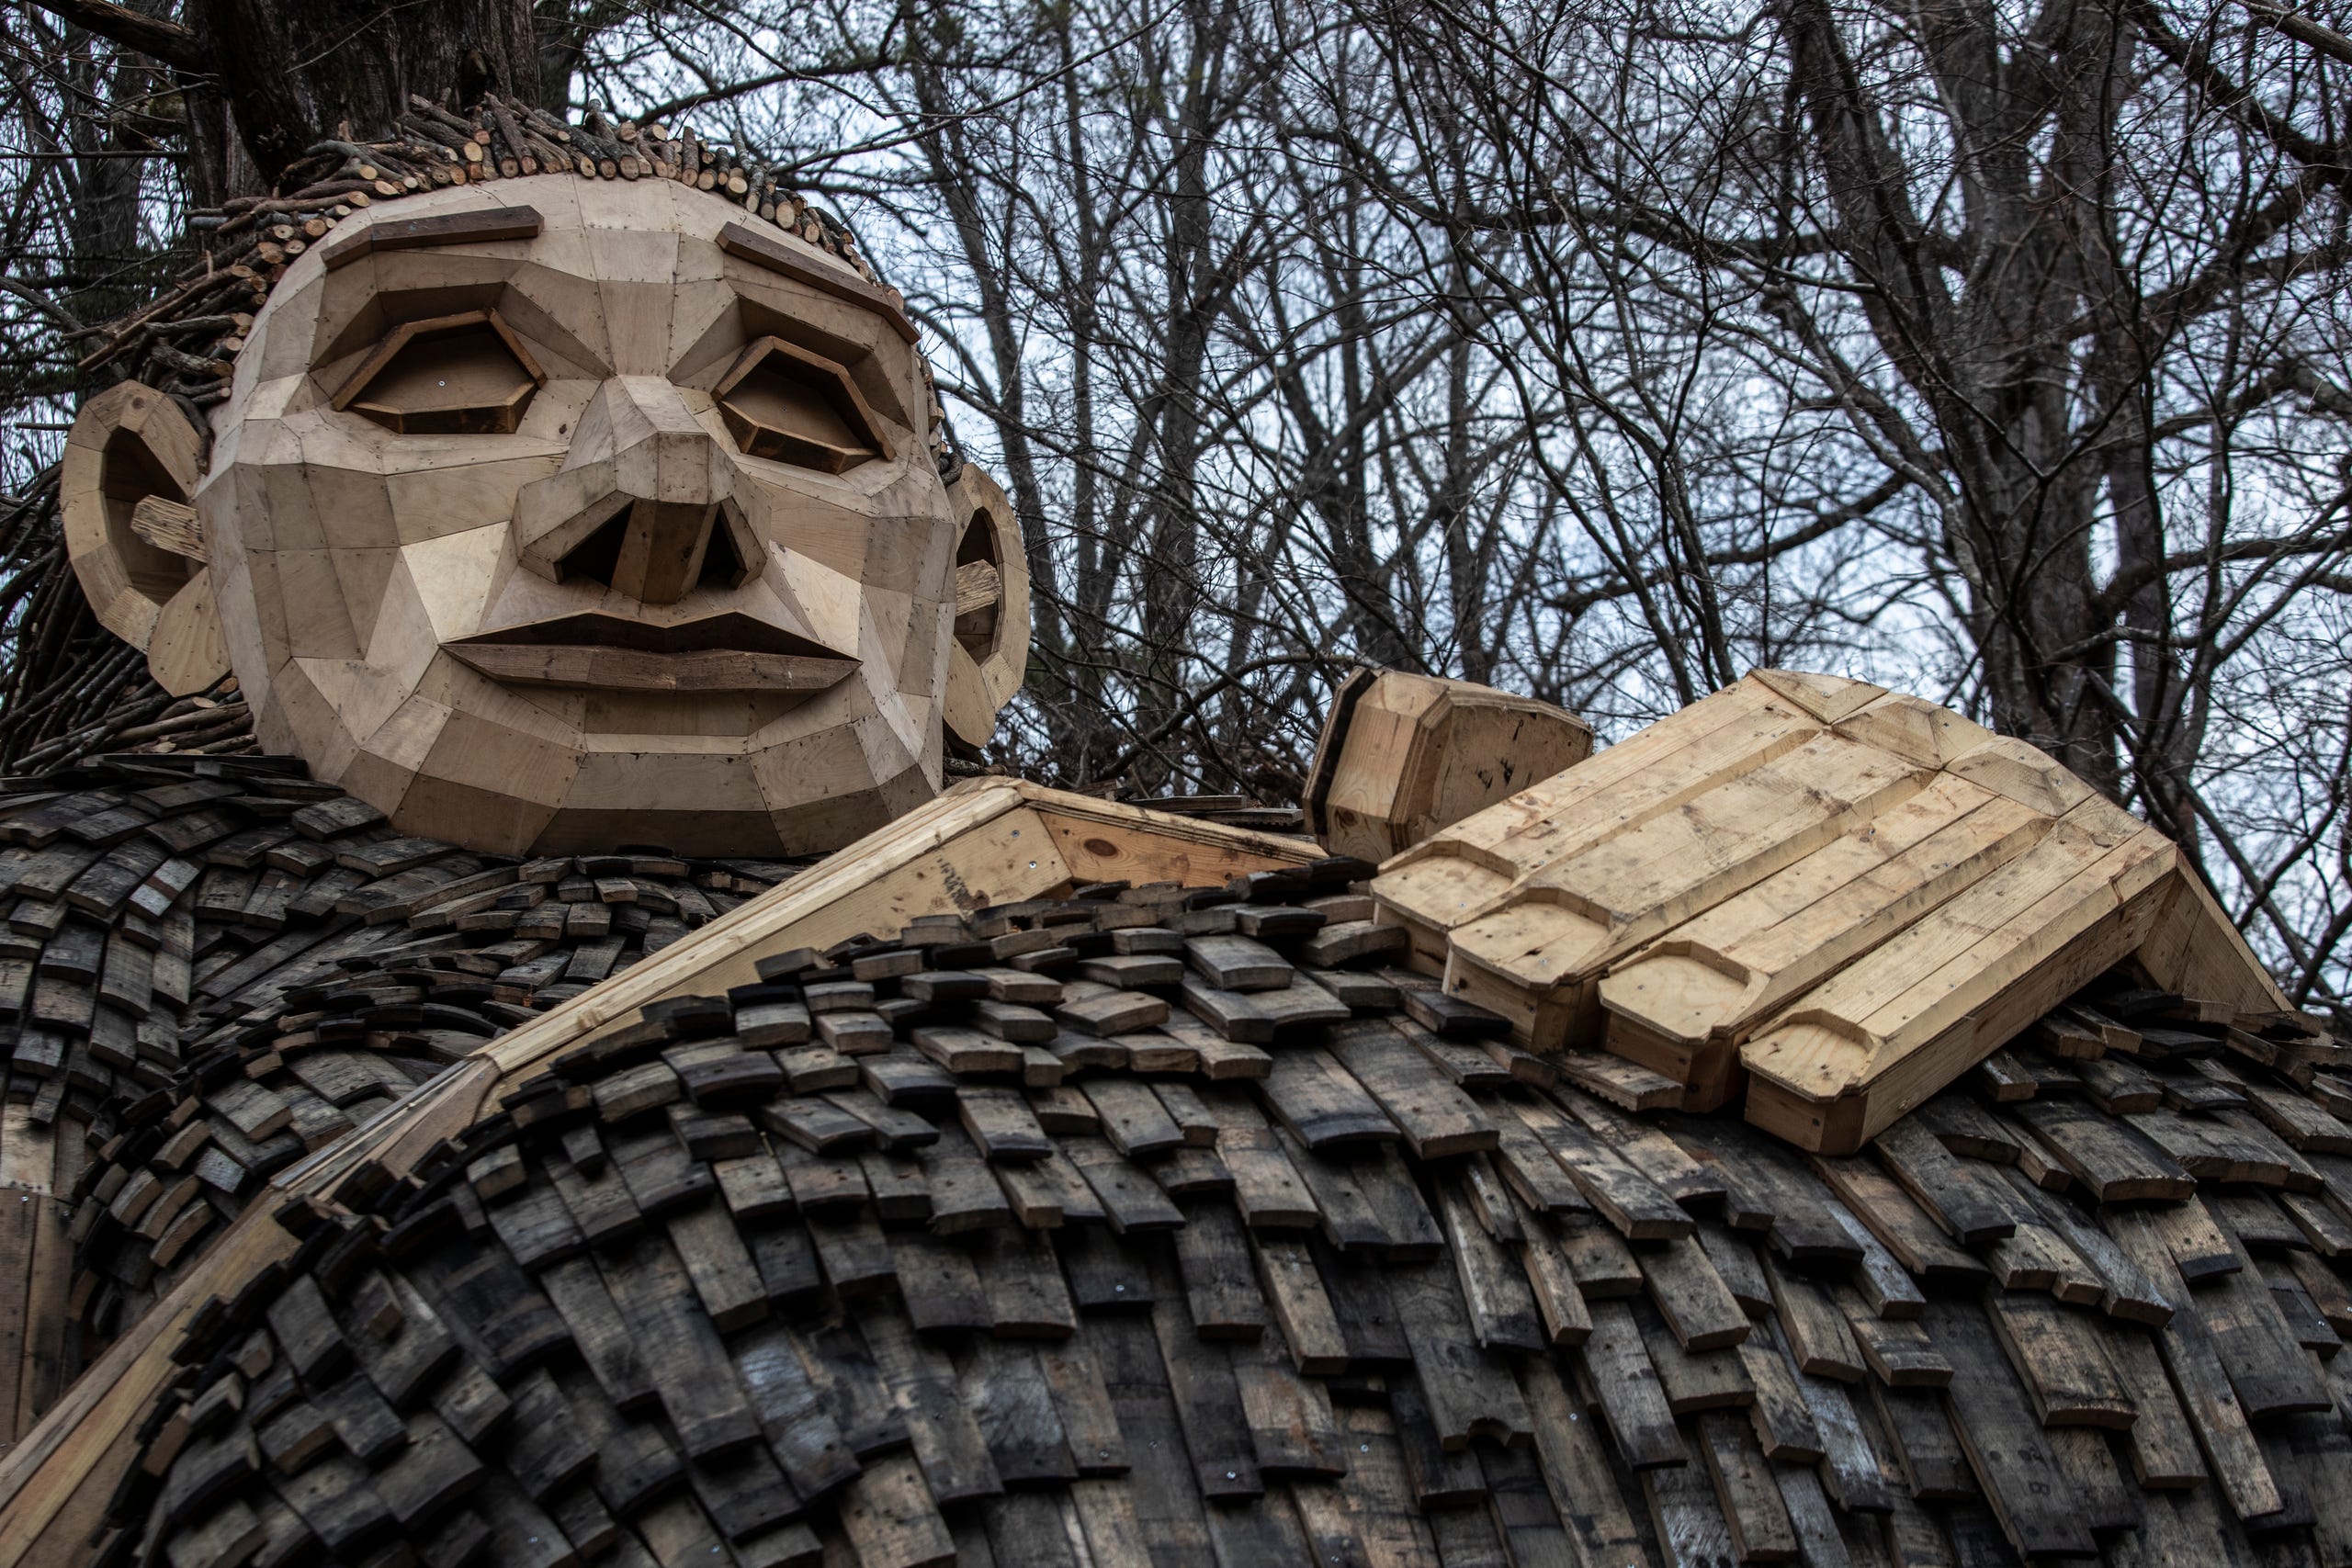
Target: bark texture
{"x":266,"y":81}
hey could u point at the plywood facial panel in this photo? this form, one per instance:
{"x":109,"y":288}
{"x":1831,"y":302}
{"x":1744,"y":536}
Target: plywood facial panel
{"x":466,"y":373}
{"x":129,"y":444}
{"x":664,"y":467}
{"x":787,"y":402}
{"x":990,"y":609}
{"x":186,"y":653}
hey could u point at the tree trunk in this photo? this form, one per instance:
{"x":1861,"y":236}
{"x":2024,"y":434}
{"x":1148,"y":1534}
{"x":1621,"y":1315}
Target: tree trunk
{"x":1170,"y":579}
{"x":291,"y":73}
{"x":1993,"y":364}
{"x":101,"y":178}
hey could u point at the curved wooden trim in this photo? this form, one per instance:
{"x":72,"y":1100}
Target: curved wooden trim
{"x":980,"y":687}
{"x":89,"y":486}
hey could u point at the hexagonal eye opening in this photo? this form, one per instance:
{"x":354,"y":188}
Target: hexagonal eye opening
{"x":783,"y":401}
{"x":461,"y":374}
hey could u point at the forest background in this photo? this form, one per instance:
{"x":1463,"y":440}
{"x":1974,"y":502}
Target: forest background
{"x":1992,"y":349}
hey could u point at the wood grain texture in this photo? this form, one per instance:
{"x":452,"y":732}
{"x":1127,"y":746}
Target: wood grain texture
{"x":1813,"y":897}
{"x":658,"y":1289}
{"x":1402,"y":756}
{"x":335,"y":542}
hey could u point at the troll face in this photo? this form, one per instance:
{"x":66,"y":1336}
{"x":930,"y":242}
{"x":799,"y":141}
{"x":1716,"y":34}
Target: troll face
{"x":565,"y":515}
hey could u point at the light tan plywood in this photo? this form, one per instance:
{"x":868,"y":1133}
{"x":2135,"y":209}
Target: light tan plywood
{"x":1914,"y":728}
{"x":1828,"y":698}
{"x":614,"y":486}
{"x":463,"y":374}
{"x":129,"y":444}
{"x":1827,"y":898}
{"x":186,"y":652}
{"x":1569,"y":920}
{"x":2008,"y":766}
{"x":1926,"y":1006}
{"x":2193,"y":949}
{"x":1653,"y":770}
{"x":793,"y":404}
{"x":991,"y":619}
{"x":1403,"y":756}
{"x":1681,"y":1004}
{"x":170,"y":526}
{"x":1471,"y":868}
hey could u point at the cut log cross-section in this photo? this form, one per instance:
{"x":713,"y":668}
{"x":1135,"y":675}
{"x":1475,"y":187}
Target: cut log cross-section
{"x":1824,"y":897}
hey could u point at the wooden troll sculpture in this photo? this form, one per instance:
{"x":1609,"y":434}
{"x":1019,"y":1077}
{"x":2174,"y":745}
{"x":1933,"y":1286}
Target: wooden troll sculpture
{"x":416,"y":1165}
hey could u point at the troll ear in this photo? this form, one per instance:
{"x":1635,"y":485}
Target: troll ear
{"x":130,"y":468}
{"x":991,"y":647}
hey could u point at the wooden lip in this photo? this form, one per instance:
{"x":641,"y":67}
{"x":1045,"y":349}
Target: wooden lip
{"x":773,"y":254}
{"x":441,"y":229}
{"x":636,"y":670}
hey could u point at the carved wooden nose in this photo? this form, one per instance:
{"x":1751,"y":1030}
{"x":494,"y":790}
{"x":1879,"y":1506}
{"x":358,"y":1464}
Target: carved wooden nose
{"x":642,"y":503}
{"x":650,"y":550}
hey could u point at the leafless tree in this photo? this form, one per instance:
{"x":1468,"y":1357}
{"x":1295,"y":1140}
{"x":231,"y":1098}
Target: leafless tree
{"x":2028,"y":314}
{"x":1602,"y":352}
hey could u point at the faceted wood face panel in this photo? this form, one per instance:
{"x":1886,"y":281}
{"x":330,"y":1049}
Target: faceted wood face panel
{"x":990,"y":650}
{"x":571,"y":516}
{"x":131,"y":464}
{"x":1832,"y":898}
{"x":461,"y":374}
{"x":783,"y":401}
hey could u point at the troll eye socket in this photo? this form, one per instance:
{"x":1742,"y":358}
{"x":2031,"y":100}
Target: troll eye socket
{"x":461,"y":374}
{"x":783,"y":401}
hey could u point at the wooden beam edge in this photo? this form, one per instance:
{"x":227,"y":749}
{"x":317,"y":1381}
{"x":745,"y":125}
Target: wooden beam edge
{"x":750,"y":244}
{"x":469,"y":227}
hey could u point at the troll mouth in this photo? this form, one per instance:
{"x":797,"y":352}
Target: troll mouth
{"x":729,"y":652}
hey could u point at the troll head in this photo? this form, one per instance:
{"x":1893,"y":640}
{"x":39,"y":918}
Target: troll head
{"x":557,"y":513}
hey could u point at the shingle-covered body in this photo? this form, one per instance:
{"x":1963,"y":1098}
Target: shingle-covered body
{"x":214,"y":965}
{"x":1180,"y":1227}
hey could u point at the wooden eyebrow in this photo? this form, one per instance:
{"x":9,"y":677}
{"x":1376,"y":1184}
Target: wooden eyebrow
{"x":751,"y":245}
{"x":441,"y":229}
